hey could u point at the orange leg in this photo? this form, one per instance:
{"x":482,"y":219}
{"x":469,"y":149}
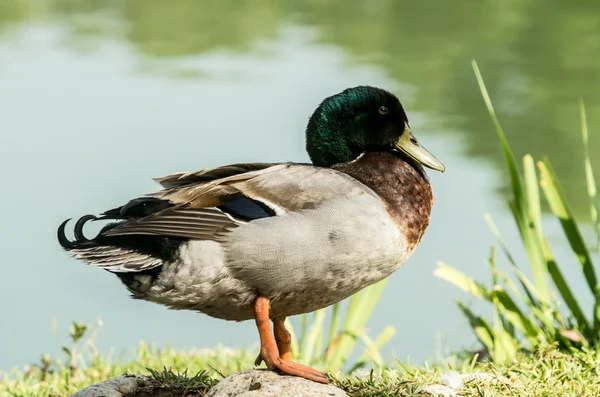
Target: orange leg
{"x":269,"y":351}
{"x":283,"y":339}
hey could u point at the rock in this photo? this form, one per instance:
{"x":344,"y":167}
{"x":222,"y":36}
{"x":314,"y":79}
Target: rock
{"x":452,"y":379}
{"x":251,"y":383}
{"x":126,"y":385}
{"x":441,"y":390}
{"x":263,"y":383}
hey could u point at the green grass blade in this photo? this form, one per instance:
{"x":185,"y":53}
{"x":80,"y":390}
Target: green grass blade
{"x":535,"y":211}
{"x":523,"y":209}
{"x":506,"y":310}
{"x":532,"y":244}
{"x":564,"y":290}
{"x":379,"y":342}
{"x":594,"y":200}
{"x":501,"y":321}
{"x":315,"y":333}
{"x":345,"y":342}
{"x":462,"y":281}
{"x":509,"y":309}
{"x":371,"y":351}
{"x":492,"y":265}
{"x":483,"y":331}
{"x":553,"y":270}
{"x":369,"y":304}
{"x":533,"y":194}
{"x":539,"y":312}
{"x":513,"y":287}
{"x":295,"y":346}
{"x":515,"y":176}
{"x":499,"y":238}
{"x":534,"y":296}
{"x":333,"y":327}
{"x":359,"y":311}
{"x":589,"y":176}
{"x":303,"y":329}
{"x":559,"y":206}
{"x":505,"y":346}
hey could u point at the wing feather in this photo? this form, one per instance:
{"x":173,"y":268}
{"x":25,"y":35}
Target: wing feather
{"x":200,"y":199}
{"x":200,"y":223}
{"x":186,"y":178}
{"x":116,"y":259}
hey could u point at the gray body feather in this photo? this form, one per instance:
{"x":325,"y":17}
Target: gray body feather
{"x":331,"y":237}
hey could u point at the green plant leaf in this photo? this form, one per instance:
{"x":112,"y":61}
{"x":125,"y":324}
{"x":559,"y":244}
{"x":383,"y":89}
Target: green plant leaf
{"x":303,"y":329}
{"x":77,"y":331}
{"x":315,"y":333}
{"x":462,"y":281}
{"x":533,"y":310}
{"x":589,"y":175}
{"x":559,"y":206}
{"x":515,"y":176}
{"x":532,"y":244}
{"x":533,"y":194}
{"x":513,"y":287}
{"x":296,"y":350}
{"x":358,"y":313}
{"x":483,"y":331}
{"x":523,"y":209}
{"x":511,"y":311}
{"x":534,"y":296}
{"x":371,"y":350}
{"x":333,"y":327}
{"x":594,"y":201}
{"x":564,"y":289}
{"x":374,"y":348}
{"x":505,"y":346}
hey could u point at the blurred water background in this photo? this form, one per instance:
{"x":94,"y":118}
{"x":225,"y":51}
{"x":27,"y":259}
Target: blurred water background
{"x":98,"y":97}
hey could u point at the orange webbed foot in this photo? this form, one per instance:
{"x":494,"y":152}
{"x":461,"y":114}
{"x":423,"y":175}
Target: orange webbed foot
{"x":278,"y":355}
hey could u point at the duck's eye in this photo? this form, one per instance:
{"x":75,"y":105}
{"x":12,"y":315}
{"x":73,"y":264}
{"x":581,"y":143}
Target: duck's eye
{"x":383,"y":110}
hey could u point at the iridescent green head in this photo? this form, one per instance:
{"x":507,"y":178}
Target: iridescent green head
{"x":359,"y":120}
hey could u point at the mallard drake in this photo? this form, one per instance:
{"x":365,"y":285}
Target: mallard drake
{"x":270,"y":240}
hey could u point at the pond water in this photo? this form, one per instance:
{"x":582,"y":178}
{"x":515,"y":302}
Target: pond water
{"x":98,"y":97}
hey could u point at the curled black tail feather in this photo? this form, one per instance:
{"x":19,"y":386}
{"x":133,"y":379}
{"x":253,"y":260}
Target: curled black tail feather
{"x":136,"y":259}
{"x":160,"y":247}
{"x":78,"y":230}
{"x":62,"y":238}
{"x":80,"y":242}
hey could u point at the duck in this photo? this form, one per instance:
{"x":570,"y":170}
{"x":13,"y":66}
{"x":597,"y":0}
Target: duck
{"x":266,"y":241}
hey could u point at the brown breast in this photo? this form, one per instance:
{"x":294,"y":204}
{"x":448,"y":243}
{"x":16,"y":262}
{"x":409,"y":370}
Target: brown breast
{"x":403,"y":186}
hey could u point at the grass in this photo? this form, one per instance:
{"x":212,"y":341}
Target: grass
{"x":327,"y":345}
{"x":331,"y":346}
{"x":544,"y":309}
{"x":547,"y":372}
